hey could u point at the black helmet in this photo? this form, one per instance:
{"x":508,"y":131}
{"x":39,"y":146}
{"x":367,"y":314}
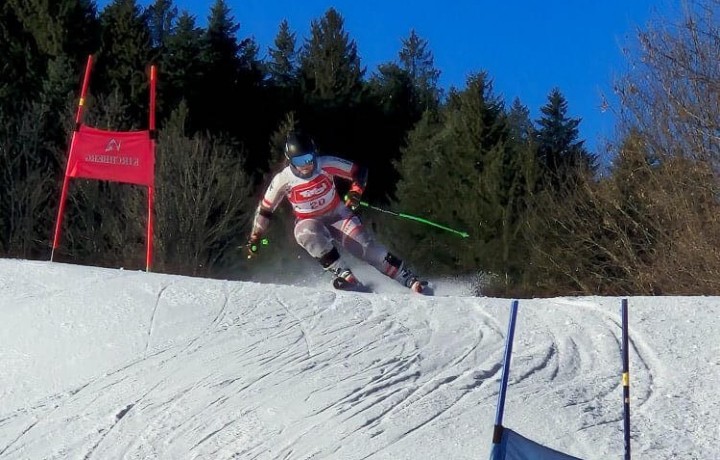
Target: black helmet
{"x":300,"y":152}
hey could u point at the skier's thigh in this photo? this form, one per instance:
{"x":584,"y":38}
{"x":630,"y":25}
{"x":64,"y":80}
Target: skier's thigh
{"x":312,"y":235}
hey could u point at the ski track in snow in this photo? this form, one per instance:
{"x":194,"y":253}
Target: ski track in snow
{"x":368,"y":374}
{"x":304,"y":342}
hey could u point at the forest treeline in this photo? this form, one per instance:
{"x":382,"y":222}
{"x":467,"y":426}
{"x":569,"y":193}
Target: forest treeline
{"x":543,"y":217}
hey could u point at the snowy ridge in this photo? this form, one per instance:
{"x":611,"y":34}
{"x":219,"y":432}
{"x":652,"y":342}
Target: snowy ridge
{"x":101,"y":363}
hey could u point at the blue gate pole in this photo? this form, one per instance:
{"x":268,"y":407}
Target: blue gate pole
{"x":497,"y":432}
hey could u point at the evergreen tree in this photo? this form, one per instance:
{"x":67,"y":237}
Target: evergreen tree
{"x":521,"y":127}
{"x":62,"y":33}
{"x":34,"y":32}
{"x":221,"y":35}
{"x":478,"y":128}
{"x":329,"y":62}
{"x":393,"y":98}
{"x":460,"y":173}
{"x":181,"y":68}
{"x":283,"y":85}
{"x":559,"y":149}
{"x":16,"y":52}
{"x":421,"y":167}
{"x":393,"y":91}
{"x":523,"y":141}
{"x":221,"y":64}
{"x":21,"y":62}
{"x":61,"y":27}
{"x":123,"y":60}
{"x":566,"y":224}
{"x":233,"y":78}
{"x":333,"y":110}
{"x":418,"y":62}
{"x":631,"y":217}
{"x":162,"y":16}
{"x":282,"y":68}
{"x":57,"y":102}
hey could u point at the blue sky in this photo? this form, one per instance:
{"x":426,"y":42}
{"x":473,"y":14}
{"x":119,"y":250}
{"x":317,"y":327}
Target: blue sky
{"x":527,"y":47}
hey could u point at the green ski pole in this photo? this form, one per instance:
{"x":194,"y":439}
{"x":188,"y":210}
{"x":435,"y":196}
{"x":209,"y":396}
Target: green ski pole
{"x":415,"y":218}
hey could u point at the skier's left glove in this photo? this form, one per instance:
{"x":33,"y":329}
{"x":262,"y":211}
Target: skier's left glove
{"x":352,"y":198}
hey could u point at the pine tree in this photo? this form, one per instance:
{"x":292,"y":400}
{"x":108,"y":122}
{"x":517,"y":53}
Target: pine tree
{"x":21,"y":63}
{"x":418,"y":61}
{"x":392,"y":88}
{"x":283,"y":87}
{"x":332,"y":109}
{"x":457,"y":172}
{"x":329,"y":62}
{"x":478,"y":127}
{"x":282,"y":67}
{"x":34,"y":32}
{"x":523,"y":141}
{"x":422,"y":168}
{"x":232,"y":78}
{"x":221,"y":64}
{"x":392,"y":97}
{"x":122,"y":63}
{"x":162,"y":16}
{"x":559,"y":149}
{"x":182,"y":69}
{"x":58,"y":27}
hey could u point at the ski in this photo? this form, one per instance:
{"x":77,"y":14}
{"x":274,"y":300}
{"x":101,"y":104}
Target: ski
{"x":343,"y":285}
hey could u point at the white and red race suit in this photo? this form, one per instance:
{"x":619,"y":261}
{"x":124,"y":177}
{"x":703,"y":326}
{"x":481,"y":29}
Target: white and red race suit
{"x":315,"y":195}
{"x":322,"y":217}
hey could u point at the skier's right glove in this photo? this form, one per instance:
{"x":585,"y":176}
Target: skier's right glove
{"x":252,"y":246}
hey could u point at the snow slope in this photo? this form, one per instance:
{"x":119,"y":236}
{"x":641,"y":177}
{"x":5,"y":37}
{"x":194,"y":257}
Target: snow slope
{"x":103,"y":364}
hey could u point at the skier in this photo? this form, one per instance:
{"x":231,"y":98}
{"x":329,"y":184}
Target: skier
{"x":323,"y":219}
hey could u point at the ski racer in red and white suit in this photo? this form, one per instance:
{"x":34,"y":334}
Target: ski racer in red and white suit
{"x":323,"y":218}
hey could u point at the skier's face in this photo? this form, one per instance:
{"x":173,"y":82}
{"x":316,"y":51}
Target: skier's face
{"x":304,"y":164}
{"x":306,"y":170}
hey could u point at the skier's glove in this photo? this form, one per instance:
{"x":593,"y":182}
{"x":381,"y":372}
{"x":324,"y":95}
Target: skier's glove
{"x":252,"y":246}
{"x":352,"y":200}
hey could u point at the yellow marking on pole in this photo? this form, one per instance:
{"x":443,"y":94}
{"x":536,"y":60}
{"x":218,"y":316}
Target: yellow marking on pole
{"x":625,"y":379}
{"x":82,"y":101}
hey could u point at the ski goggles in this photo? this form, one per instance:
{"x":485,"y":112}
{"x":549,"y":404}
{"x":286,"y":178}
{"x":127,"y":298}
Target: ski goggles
{"x":303,"y":160}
